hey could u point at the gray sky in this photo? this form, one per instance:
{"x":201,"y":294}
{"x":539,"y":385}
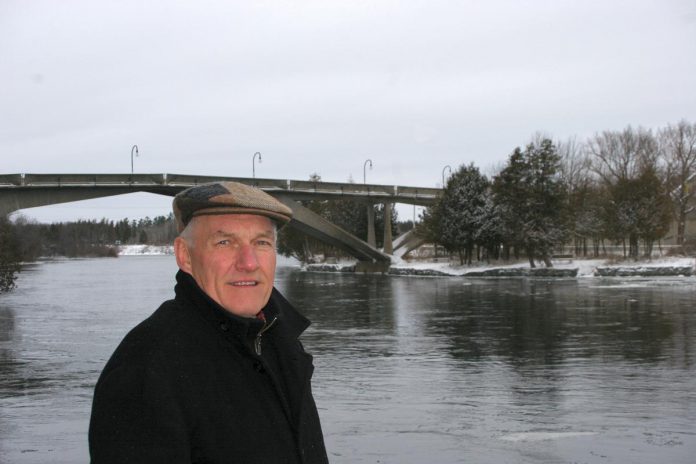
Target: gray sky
{"x":321,"y":86}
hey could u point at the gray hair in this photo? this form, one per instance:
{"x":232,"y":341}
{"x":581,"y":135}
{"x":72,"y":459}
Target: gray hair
{"x":187,"y":233}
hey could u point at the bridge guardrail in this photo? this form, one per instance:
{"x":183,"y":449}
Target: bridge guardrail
{"x":189,"y":180}
{"x":93,"y":179}
{"x":415,"y":191}
{"x":298,"y":187}
{"x":10,"y":179}
{"x":310,"y":186}
{"x":361,"y":189}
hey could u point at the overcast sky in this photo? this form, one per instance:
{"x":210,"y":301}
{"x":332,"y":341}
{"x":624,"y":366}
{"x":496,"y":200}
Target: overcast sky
{"x":321,"y":86}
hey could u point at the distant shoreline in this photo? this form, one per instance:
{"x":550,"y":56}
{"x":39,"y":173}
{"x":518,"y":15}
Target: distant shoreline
{"x":564,"y":268}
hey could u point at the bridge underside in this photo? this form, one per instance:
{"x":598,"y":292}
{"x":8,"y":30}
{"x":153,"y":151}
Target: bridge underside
{"x":310,"y":223}
{"x":304,"y":219}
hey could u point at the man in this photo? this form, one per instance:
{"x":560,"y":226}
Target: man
{"x":216,"y":375}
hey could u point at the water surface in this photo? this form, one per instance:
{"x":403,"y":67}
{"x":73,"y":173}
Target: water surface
{"x":408,"y":370}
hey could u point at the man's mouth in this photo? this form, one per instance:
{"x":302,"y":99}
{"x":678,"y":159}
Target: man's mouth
{"x":245,"y":283}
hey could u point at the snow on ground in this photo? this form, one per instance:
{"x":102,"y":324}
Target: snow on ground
{"x":586,"y":267}
{"x":159,"y":250}
{"x":149,"y":250}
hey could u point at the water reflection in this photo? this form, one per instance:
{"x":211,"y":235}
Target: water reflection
{"x":9,"y":380}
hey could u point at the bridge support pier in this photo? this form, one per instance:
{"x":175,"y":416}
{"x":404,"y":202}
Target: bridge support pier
{"x":388,"y":247}
{"x":371,"y":240}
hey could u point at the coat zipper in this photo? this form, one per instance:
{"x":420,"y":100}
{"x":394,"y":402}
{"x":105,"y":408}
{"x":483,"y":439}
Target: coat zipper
{"x":257,"y":340}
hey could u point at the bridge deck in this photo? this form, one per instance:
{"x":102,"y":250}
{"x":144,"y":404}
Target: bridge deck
{"x":170,"y":184}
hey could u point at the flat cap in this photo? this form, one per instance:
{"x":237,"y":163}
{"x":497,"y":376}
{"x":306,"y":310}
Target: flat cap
{"x":226,"y":198}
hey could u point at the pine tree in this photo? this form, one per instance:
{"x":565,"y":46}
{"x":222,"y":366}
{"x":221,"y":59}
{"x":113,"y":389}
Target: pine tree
{"x":531,"y":198}
{"x":462,"y":210}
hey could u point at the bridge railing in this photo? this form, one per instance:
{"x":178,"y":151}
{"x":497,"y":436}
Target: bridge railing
{"x":422,"y":195}
{"x":341,"y":188}
{"x":11,"y":179}
{"x":93,"y":179}
{"x":188,"y":180}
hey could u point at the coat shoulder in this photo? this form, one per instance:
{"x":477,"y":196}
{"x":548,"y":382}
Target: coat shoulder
{"x":161,"y":339}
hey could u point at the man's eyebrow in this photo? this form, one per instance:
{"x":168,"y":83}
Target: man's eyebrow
{"x":265,"y":234}
{"x":226,"y":234}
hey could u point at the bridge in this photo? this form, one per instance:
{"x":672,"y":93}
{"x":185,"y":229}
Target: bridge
{"x":20,"y":191}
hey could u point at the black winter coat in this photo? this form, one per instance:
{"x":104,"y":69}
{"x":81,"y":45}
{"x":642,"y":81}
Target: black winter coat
{"x":187,"y":385}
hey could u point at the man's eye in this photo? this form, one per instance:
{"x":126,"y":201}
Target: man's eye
{"x":223,"y":243}
{"x":264,"y":243}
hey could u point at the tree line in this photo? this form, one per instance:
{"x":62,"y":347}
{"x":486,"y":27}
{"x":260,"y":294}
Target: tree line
{"x":620,"y":188}
{"x":24,"y":240}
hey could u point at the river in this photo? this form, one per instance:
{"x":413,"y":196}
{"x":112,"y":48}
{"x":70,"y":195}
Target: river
{"x":408,"y":369}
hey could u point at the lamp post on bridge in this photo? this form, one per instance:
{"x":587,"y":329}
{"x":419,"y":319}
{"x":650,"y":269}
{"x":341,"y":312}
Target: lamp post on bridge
{"x":253,"y":164}
{"x":364,"y":171}
{"x":135,"y":148}
{"x":443,"y":174}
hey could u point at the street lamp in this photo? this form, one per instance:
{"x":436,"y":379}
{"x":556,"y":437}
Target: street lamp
{"x":253,"y":164}
{"x":443,"y":174}
{"x":135,"y":148}
{"x":365,"y":166}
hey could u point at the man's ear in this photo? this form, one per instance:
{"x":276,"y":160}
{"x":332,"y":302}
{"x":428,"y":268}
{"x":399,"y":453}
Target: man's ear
{"x":183,"y":256}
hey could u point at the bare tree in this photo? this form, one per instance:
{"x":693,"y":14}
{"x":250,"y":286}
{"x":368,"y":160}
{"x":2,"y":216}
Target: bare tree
{"x":623,"y":161}
{"x":623,"y":155}
{"x":576,"y":174}
{"x":575,"y":167}
{"x":678,"y":146}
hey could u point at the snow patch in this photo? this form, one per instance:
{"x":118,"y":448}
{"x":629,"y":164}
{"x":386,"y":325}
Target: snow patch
{"x":145,"y":250}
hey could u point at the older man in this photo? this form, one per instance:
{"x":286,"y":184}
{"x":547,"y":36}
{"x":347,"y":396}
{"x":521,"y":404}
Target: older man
{"x":216,"y":375}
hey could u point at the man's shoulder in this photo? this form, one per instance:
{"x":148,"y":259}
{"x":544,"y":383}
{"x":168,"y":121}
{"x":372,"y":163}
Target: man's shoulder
{"x":171,"y":328}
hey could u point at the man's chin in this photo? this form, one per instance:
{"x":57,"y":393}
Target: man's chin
{"x":246,"y":307}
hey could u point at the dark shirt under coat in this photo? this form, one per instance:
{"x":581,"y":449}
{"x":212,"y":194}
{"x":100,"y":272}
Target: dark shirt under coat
{"x":186,"y":386}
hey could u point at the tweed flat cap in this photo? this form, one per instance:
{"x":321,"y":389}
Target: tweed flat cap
{"x":226,"y":198}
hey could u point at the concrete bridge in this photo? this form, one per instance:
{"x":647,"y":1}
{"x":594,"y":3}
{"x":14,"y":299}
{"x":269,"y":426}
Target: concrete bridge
{"x":20,"y":191}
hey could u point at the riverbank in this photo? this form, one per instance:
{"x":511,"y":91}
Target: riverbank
{"x":563,"y":268}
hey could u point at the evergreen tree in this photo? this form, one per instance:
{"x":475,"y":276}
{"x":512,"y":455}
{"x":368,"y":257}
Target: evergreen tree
{"x":490,"y":234}
{"x":462,"y":210}
{"x":531,"y":198}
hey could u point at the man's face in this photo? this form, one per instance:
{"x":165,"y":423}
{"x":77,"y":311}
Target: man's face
{"x":232,"y":259}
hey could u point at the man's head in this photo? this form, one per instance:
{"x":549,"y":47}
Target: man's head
{"x":227,"y":243}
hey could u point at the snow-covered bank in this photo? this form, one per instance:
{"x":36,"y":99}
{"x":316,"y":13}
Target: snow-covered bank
{"x":562,"y":268}
{"x":160,"y":250}
{"x":145,"y":250}
{"x":567,"y":268}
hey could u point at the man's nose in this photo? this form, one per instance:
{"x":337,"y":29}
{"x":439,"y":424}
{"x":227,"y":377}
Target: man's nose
{"x":246,"y":260}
